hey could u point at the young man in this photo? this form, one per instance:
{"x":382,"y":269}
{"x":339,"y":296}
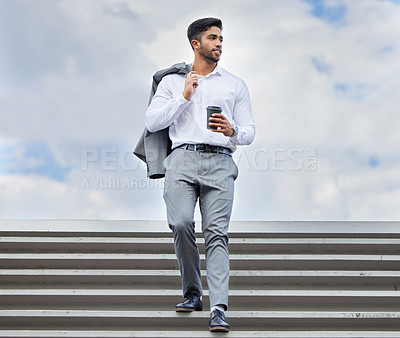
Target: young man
{"x":200,"y":166}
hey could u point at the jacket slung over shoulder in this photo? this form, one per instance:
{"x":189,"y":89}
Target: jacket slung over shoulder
{"x":153,"y":148}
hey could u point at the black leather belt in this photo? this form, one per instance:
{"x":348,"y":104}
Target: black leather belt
{"x":207,"y":148}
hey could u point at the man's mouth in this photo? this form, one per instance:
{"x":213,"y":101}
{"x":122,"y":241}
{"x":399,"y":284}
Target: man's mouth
{"x":218,"y":51}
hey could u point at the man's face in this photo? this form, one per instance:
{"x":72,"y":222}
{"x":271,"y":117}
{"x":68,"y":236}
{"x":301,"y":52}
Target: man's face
{"x":211,"y":44}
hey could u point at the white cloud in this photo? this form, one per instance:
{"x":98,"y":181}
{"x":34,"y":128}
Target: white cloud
{"x":29,"y":196}
{"x":77,"y":76}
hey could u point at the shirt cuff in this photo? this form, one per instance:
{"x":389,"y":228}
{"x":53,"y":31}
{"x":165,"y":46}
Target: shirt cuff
{"x":234,"y":139}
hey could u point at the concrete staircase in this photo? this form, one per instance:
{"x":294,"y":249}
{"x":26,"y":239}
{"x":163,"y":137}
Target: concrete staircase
{"x":89,"y":278}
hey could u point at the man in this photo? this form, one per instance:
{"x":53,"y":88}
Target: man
{"x":200,"y":166}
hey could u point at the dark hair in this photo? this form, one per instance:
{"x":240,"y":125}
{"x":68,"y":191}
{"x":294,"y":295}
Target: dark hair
{"x":198,"y":27}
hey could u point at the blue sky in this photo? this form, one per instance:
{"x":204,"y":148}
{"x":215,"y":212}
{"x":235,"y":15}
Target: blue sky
{"x":324,"y":78}
{"x":332,"y":12}
{"x":34,"y":158}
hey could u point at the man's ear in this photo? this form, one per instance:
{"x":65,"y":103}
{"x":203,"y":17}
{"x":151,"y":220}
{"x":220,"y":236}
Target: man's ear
{"x":195,"y":44}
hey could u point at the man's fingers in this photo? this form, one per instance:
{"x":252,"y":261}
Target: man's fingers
{"x":192,"y":75}
{"x":192,"y":78}
{"x":218,"y":119}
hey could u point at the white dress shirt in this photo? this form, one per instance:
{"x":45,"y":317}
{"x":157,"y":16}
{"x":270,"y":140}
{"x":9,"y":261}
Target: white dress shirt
{"x":187,"y":120}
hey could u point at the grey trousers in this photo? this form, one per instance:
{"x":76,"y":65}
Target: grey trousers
{"x":208,"y":178}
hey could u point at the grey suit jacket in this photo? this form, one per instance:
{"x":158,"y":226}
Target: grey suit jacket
{"x":153,"y":148}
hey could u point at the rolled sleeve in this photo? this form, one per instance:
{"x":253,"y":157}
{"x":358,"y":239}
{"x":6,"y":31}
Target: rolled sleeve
{"x":243,"y":117}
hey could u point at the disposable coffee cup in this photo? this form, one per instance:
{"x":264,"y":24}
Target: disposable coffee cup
{"x":212,"y":110}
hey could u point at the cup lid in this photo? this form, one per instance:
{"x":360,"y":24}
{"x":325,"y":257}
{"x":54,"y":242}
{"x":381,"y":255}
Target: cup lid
{"x":214,"y":108}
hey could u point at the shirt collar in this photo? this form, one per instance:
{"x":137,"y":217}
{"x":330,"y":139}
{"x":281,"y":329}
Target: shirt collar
{"x":217,"y":70}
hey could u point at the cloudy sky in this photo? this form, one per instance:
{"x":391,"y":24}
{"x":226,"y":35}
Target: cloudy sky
{"x":324,"y":78}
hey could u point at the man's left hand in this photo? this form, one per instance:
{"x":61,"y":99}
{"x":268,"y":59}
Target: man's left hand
{"x":222,"y":123}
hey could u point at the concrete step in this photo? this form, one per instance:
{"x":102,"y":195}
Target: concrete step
{"x":112,"y":279}
{"x":159,"y":279}
{"x":149,"y":299}
{"x":156,"y":229}
{"x":168,"y":261}
{"x":80,"y":244}
{"x":195,"y":334}
{"x":167,"y":320}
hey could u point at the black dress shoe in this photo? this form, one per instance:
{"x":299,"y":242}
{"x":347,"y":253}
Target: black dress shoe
{"x":218,"y":322}
{"x":192,"y":303}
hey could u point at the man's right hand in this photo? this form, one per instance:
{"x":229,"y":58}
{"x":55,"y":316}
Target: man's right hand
{"x":191,"y":83}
